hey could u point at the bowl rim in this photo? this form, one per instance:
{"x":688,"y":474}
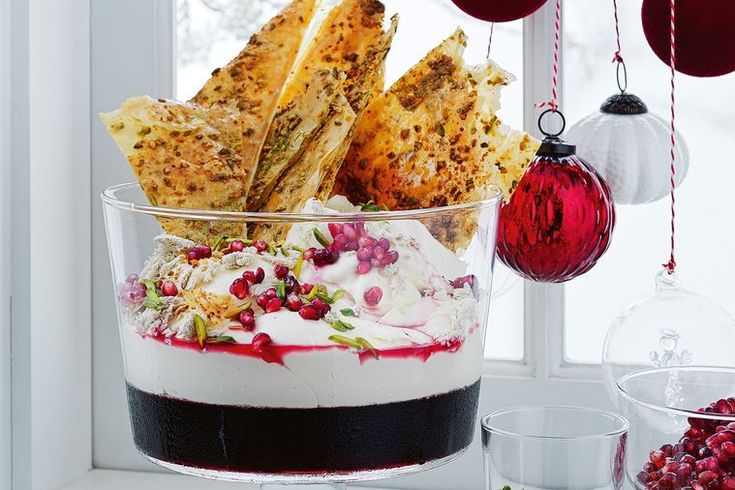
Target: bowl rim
{"x":109,"y":197}
{"x":623,"y":424}
{"x":625,"y":393}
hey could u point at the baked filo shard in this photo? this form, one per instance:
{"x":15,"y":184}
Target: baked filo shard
{"x":184,"y":156}
{"x":351,"y":46}
{"x":254,"y":79}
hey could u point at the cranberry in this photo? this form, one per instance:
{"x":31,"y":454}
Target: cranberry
{"x":261,"y":340}
{"x":280,"y":271}
{"x":310,"y":312}
{"x":247,"y":318}
{"x":325,"y":256}
{"x":306,"y":288}
{"x":239,"y":288}
{"x":168,"y":288}
{"x":373,"y":295}
{"x":321,"y":305}
{"x":273,"y":305}
{"x":335,"y":229}
{"x":293,"y":302}
{"x":364,"y":267}
{"x":260,"y":245}
{"x":198,"y":252}
{"x":237,"y":246}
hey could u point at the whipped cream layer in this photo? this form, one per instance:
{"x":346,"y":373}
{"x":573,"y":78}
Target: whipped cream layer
{"x":423,"y":333}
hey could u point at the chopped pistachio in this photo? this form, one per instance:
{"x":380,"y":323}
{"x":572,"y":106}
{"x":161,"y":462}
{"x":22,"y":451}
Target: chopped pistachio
{"x":281,"y":288}
{"x":297,"y":267}
{"x":341,"y":339}
{"x":324,"y":297}
{"x":342,"y":326}
{"x":201,"y":329}
{"x":220,"y":241}
{"x":320,"y":237}
{"x":338,"y":294}
{"x":367,"y":345}
{"x":349,"y":312}
{"x":152,"y":300}
{"x":272,"y":249}
{"x":222,"y":339}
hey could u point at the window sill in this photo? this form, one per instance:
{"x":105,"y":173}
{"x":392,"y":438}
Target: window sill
{"x":125,"y":480}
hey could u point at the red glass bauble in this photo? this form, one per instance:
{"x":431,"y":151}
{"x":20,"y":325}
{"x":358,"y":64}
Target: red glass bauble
{"x":499,"y":10}
{"x":559,"y":220}
{"x":705,"y":44}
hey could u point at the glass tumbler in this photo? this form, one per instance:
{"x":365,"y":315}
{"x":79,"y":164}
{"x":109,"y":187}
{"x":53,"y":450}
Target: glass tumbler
{"x":553,"y":447}
{"x":308,"y":347}
{"x":682,"y":427}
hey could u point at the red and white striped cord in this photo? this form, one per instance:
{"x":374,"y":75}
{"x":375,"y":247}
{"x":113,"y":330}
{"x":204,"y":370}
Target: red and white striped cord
{"x":552,"y":103}
{"x":618,"y":56}
{"x":671,"y":264}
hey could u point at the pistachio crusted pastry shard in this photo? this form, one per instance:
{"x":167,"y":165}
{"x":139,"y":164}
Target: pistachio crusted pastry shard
{"x":253,"y":80}
{"x":305,"y":176}
{"x":433,"y":139}
{"x":184,"y":156}
{"x":350,"y":46}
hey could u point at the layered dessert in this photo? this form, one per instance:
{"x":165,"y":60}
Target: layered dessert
{"x":314,"y":298}
{"x":349,"y":346}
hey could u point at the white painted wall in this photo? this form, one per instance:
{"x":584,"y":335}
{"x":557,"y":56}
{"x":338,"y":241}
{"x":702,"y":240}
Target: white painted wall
{"x":50,"y":225}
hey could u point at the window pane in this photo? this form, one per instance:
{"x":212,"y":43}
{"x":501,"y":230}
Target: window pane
{"x":211,"y":32}
{"x":640,"y":241}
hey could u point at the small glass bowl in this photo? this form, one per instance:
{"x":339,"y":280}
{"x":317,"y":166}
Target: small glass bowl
{"x":549,"y":447}
{"x":663,"y":406}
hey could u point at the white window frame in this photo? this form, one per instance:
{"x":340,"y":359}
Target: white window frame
{"x":92,"y":448}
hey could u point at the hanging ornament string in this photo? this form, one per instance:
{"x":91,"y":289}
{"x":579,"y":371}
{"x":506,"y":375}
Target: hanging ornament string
{"x":618,"y":56}
{"x":490,"y":40}
{"x":552,"y":103}
{"x":671,"y":265}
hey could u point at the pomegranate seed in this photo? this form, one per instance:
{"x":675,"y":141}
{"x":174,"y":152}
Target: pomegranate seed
{"x":349,"y":232}
{"x":728,"y":449}
{"x":237,"y":246}
{"x":696,"y":485}
{"x":273,"y":305}
{"x":351,"y":246}
{"x":340,"y":242}
{"x":375,"y":262}
{"x":728,"y":483}
{"x":335,"y":229}
{"x":271,"y":293}
{"x":364,"y":254}
{"x":392,"y":256}
{"x":668,"y":480}
{"x":132,"y":279}
{"x":325,"y":256}
{"x":373,"y":295}
{"x":260,"y":245}
{"x":364,"y":267}
{"x":261,"y":340}
{"x":658,"y":458}
{"x":306,"y":288}
{"x":293,"y":302}
{"x":706,"y":476}
{"x":360,"y":229}
{"x":239,"y":288}
{"x":168,"y":288}
{"x":310,"y":312}
{"x":378,"y":252}
{"x":259,"y":275}
{"x":249,"y":276}
{"x":292,"y":285}
{"x":247,"y":318}
{"x":643,"y":477}
{"x":280,"y":271}
{"x":198,"y":252}
{"x":321,"y":305}
{"x":367,"y":241}
{"x":262,"y":300}
{"x":670,"y":467}
{"x":309,"y":253}
{"x":384,"y":244}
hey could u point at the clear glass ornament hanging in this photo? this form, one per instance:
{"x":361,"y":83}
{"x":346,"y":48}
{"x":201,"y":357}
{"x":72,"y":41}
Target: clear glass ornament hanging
{"x":671,"y":327}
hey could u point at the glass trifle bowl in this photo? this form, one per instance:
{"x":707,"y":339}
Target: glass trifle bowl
{"x":322,"y":354}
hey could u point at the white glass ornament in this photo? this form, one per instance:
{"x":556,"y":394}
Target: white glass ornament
{"x":671,"y":327}
{"x":630,"y":148}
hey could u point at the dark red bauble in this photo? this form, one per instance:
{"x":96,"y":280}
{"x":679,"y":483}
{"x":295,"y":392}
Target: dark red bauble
{"x":499,"y":10}
{"x":558,"y":221}
{"x":705,"y":34}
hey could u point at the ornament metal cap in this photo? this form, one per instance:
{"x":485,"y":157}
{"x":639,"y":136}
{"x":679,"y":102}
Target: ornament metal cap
{"x":624,"y":104}
{"x":552,"y":145}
